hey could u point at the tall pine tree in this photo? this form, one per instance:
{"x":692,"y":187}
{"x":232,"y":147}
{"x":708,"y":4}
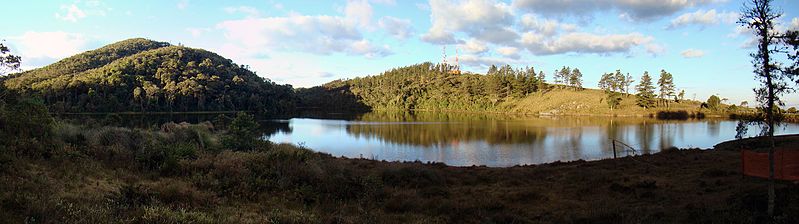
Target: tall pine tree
{"x":646,"y":92}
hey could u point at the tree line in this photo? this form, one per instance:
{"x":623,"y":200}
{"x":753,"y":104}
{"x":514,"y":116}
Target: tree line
{"x":617,"y":84}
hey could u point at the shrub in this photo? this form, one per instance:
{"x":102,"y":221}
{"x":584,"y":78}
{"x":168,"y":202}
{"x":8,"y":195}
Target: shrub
{"x":199,"y":134}
{"x":24,"y":118}
{"x":165,"y":158}
{"x":242,"y":133}
{"x":69,"y":133}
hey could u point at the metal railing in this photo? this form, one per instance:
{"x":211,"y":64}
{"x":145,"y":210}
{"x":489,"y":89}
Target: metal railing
{"x":623,"y":147}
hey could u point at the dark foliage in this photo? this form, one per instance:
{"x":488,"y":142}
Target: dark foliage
{"x":424,"y":86}
{"x":144,"y":75}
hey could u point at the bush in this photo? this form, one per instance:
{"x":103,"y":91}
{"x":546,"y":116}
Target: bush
{"x":165,"y":158}
{"x":242,"y":133}
{"x":24,"y":118}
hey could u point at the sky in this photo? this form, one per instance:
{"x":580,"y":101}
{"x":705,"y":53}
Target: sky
{"x":308,"y":43}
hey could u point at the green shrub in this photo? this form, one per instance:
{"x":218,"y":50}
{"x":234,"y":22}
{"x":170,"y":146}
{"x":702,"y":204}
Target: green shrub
{"x":199,"y":134}
{"x":242,"y":133}
{"x":165,"y":158}
{"x":24,"y":118}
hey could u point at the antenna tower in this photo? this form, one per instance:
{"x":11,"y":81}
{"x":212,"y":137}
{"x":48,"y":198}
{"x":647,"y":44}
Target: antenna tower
{"x":457,"y":63}
{"x":444,"y":55}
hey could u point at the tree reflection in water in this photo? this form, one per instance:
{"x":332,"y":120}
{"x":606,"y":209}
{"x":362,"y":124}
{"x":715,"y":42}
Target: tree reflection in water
{"x":497,"y":139}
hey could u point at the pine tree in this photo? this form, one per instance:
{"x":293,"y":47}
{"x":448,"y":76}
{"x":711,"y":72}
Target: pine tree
{"x":628,"y":80}
{"x":492,"y":70}
{"x":576,"y":79}
{"x":617,"y":82}
{"x":542,"y":85}
{"x":666,"y":84}
{"x":604,"y":82}
{"x":646,"y":92}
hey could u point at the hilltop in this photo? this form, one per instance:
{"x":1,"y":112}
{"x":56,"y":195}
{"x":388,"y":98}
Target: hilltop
{"x":145,"y":75}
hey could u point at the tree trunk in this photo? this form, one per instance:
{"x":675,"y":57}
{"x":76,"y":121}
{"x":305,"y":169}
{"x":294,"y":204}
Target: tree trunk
{"x":770,"y":116}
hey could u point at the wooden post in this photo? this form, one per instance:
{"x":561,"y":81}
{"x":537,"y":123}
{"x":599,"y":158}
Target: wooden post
{"x":614,"y":147}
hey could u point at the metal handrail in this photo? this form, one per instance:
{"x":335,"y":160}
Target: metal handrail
{"x":628,"y":148}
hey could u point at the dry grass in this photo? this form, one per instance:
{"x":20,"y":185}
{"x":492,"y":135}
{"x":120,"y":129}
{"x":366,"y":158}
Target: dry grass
{"x":286,"y":184}
{"x":585,"y":102}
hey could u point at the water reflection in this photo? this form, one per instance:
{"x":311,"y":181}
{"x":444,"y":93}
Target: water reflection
{"x":496,"y":140}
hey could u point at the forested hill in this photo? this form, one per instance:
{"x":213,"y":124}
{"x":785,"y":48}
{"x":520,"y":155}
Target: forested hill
{"x":145,"y":75}
{"x":424,"y":86}
{"x":429,"y":86}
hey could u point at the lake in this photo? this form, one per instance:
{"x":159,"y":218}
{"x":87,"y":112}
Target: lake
{"x":496,"y":140}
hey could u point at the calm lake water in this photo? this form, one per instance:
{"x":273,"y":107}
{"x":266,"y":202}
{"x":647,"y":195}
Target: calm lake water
{"x":496,"y":140}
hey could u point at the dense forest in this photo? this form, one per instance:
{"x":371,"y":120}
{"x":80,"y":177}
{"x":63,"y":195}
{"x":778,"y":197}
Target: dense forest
{"x":149,"y":76}
{"x":426,"y":86}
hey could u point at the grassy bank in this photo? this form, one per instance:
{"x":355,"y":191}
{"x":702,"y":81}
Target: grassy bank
{"x":563,"y":101}
{"x":185,"y":173}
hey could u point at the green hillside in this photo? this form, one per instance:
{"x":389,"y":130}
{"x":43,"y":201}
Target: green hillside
{"x":144,"y":75}
{"x":431,"y":87}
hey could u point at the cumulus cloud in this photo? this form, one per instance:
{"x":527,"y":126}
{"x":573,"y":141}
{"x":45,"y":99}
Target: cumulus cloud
{"x":583,"y":43}
{"x":794,"y":24}
{"x":359,"y":11}
{"x":634,"y":9}
{"x":369,"y":50}
{"x":322,"y":34}
{"x":703,"y":18}
{"x":545,"y":26}
{"x":71,"y":13}
{"x":399,"y":28}
{"x":692,"y":53}
{"x":487,"y":20}
{"x":484,"y":62}
{"x":510,"y":52}
{"x":474,"y":46}
{"x":42,"y":48}
{"x":249,"y":11}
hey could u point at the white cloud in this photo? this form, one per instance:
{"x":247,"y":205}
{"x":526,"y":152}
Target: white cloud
{"x":359,"y":11}
{"x":313,"y":34}
{"x":385,"y":2}
{"x":545,"y":26}
{"x":583,"y":43}
{"x":182,"y":4}
{"x":369,"y":50}
{"x":655,"y":49}
{"x":703,"y":18}
{"x":42,"y":48}
{"x":484,"y":62}
{"x":510,"y":52}
{"x":692,"y":53}
{"x":249,"y":11}
{"x":487,"y":20}
{"x":474,"y":46}
{"x":634,"y":9}
{"x":794,"y":24}
{"x":399,"y":28}
{"x":71,"y":13}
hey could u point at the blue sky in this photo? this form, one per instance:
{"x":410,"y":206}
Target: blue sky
{"x":307,"y":43}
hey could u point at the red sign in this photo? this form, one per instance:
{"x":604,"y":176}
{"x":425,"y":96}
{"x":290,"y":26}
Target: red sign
{"x":786,"y":164}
